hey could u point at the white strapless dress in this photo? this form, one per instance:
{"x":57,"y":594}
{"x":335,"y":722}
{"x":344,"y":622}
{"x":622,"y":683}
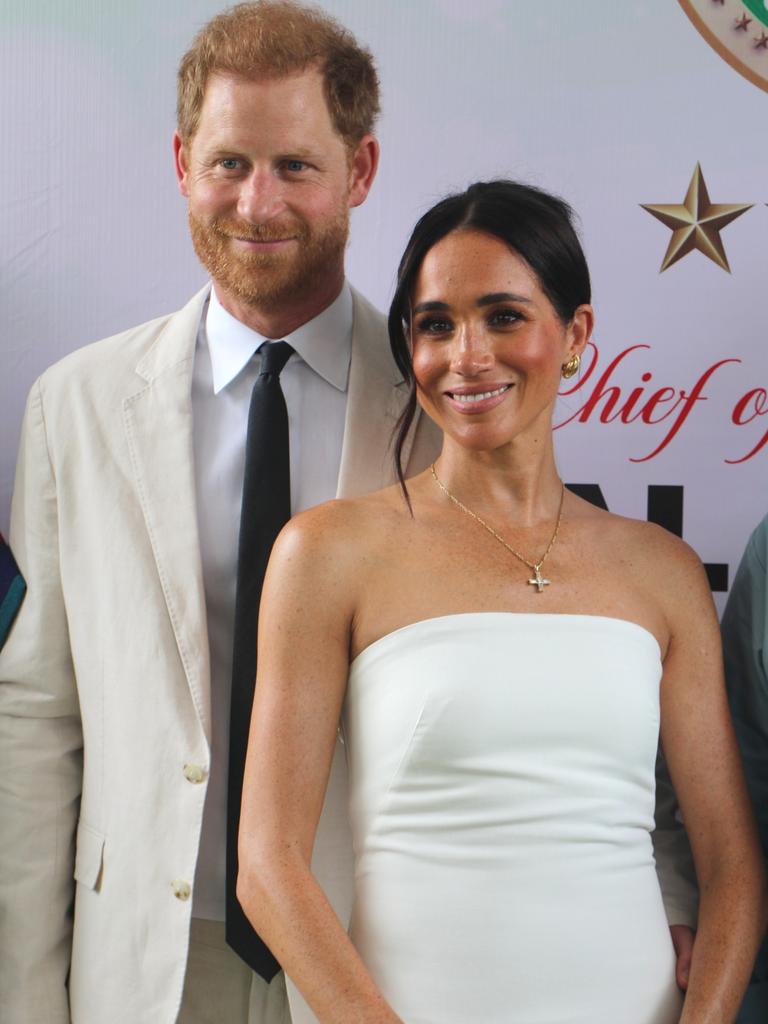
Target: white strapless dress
{"x":502,"y":800}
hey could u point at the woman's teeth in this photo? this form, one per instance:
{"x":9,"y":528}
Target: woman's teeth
{"x":481,"y":395}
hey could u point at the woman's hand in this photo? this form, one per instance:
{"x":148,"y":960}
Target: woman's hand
{"x":683,"y":939}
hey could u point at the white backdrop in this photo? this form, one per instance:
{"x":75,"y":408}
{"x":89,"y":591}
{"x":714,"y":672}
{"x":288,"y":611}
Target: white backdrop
{"x":611,"y":105}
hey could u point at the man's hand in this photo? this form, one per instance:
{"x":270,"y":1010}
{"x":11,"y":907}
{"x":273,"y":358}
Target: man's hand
{"x":683,"y":938}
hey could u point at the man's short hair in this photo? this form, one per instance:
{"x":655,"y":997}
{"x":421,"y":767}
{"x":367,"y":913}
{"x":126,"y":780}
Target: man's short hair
{"x":275,"y":38}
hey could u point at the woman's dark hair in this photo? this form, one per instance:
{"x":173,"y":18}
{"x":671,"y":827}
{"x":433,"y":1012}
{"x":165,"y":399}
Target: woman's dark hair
{"x":534,"y":224}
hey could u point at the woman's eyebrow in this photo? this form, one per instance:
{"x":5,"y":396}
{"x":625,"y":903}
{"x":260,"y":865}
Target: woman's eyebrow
{"x":488,"y":300}
{"x":484,"y":300}
{"x":424,"y":307}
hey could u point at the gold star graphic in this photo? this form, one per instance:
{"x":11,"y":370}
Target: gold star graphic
{"x":696,"y":223}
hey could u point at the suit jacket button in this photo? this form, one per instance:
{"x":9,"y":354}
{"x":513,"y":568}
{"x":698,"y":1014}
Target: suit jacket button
{"x":181,"y":890}
{"x":194,"y":773}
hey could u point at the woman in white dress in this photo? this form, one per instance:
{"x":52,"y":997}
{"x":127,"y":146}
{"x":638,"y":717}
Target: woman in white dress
{"x":503,"y":655}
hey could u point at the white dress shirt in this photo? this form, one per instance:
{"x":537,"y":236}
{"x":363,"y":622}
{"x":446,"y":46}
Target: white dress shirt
{"x":314,"y":382}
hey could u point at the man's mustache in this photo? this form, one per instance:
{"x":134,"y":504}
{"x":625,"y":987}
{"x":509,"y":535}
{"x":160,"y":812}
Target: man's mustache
{"x":272,"y":232}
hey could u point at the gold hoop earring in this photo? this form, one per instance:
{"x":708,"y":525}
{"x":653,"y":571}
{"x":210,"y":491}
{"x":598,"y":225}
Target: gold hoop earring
{"x":571,"y":368}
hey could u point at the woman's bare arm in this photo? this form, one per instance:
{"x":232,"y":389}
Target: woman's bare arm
{"x":700,"y":748}
{"x":305,"y":622}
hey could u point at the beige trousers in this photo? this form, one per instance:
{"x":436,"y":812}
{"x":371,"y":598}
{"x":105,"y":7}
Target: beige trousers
{"x":220,"y":989}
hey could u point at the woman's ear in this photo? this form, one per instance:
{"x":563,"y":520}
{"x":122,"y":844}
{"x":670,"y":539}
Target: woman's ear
{"x":580,"y":330}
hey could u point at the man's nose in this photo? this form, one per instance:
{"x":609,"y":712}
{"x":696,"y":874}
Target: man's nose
{"x":472,"y":352}
{"x":261,"y":197}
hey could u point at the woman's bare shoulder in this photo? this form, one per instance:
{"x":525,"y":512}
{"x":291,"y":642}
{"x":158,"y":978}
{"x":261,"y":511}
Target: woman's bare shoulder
{"x":343,"y":530}
{"x":663,"y":561}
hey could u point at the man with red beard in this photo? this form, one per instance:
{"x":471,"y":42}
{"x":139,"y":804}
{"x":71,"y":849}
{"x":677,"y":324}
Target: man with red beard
{"x":117,"y":676}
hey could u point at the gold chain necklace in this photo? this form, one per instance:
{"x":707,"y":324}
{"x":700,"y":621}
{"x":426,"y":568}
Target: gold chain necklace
{"x":538,"y":580}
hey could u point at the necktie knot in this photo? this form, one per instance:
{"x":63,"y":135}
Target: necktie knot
{"x":274,"y":356}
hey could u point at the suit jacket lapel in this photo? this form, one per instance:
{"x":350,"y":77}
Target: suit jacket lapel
{"x":375,"y":398}
{"x":158,"y":423}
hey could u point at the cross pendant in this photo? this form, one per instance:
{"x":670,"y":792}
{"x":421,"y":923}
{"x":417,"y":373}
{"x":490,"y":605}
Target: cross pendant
{"x":538,"y":580}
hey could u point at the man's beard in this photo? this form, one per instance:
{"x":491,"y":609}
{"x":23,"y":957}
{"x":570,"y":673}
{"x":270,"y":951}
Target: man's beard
{"x":270,"y":279}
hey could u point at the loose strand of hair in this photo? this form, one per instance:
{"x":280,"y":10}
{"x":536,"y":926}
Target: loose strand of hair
{"x":400,"y":433}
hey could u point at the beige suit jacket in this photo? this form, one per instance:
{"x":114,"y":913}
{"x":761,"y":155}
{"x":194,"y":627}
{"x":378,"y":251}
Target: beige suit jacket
{"x":104,"y":681}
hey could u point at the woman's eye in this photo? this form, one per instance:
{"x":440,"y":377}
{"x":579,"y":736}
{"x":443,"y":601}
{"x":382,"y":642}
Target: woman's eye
{"x":433,"y":325}
{"x":505,"y":317}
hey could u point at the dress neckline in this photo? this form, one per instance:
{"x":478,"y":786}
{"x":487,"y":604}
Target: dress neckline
{"x":562,"y":616}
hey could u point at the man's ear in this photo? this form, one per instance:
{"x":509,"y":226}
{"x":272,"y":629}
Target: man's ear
{"x":362,"y":169}
{"x":180,"y":160}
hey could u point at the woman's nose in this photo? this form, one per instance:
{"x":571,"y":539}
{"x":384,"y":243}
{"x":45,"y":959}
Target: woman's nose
{"x":472,"y":352}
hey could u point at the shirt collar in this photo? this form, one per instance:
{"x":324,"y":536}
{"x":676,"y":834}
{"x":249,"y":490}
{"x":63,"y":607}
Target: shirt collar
{"x":324,"y":343}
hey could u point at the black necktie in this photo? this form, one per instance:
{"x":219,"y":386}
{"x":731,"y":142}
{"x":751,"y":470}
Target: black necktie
{"x":265,"y":509}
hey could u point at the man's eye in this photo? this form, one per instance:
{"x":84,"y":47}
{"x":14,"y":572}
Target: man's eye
{"x":295,"y":165}
{"x":229,"y":163}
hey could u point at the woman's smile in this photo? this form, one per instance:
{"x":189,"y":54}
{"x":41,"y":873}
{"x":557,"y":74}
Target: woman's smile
{"x":470,"y":400}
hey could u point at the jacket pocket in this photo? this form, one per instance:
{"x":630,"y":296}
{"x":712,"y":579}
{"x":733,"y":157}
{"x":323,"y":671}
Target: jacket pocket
{"x":89,"y":856}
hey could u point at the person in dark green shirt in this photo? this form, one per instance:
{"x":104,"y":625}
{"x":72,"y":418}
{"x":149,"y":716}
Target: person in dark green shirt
{"x":12,"y":589}
{"x":745,"y":649}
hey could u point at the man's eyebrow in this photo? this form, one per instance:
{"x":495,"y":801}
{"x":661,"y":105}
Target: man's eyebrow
{"x":424,"y":307}
{"x":221,"y":152}
{"x":488,"y":300}
{"x":222,"y":149}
